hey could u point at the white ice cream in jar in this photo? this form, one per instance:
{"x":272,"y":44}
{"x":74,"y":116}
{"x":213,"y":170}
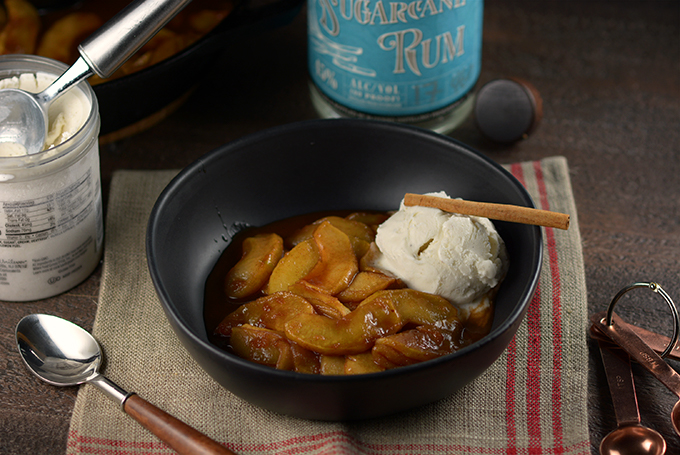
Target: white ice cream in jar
{"x":51,"y":226}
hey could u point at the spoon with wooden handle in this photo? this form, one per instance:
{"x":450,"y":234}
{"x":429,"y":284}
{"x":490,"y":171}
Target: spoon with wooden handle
{"x":64,"y":354}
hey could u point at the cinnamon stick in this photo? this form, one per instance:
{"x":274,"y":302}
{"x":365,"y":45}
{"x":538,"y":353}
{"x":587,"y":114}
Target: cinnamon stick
{"x":501,"y":212}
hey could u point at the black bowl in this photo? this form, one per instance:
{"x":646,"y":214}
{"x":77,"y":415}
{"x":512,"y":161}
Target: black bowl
{"x":327,"y":165}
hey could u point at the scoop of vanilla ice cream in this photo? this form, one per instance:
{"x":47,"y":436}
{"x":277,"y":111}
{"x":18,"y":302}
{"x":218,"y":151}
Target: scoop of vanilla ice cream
{"x":458,"y":257}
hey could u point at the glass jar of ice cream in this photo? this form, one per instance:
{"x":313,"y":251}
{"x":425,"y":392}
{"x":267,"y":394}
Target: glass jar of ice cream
{"x":51,"y":223}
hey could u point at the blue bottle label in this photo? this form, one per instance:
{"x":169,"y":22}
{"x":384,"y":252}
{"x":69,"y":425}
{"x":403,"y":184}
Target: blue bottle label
{"x":395,"y":58}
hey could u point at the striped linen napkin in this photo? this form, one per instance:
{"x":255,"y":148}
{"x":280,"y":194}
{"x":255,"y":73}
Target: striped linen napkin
{"x":532,"y":400}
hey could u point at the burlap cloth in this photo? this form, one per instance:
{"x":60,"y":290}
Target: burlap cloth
{"x":531,"y":401}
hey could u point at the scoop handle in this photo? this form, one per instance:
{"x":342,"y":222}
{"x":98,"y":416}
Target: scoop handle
{"x":178,"y":435}
{"x":115,"y":42}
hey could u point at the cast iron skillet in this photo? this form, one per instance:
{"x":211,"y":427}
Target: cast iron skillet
{"x":324,"y":165}
{"x":132,"y":98}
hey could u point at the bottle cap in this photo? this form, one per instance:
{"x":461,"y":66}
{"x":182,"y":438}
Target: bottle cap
{"x":507,"y":110}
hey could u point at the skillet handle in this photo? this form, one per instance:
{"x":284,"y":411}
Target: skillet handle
{"x":178,"y":435}
{"x":118,"y":39}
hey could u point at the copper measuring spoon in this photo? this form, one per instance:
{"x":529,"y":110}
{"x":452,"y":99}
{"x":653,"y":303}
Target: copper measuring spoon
{"x":647,"y":357}
{"x":629,"y":436}
{"x":625,"y":337}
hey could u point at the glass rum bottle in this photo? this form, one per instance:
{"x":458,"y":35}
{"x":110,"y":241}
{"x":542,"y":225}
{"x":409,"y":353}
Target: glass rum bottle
{"x":413,"y":62}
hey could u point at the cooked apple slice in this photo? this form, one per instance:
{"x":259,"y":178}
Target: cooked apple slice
{"x":261,"y":253}
{"x":261,"y":345}
{"x":351,"y":334}
{"x":361,"y":364}
{"x":286,"y":360}
{"x":372,"y":220}
{"x":353,"y":228}
{"x":384,"y":362}
{"x":419,"y":308}
{"x":304,"y":360}
{"x":360,"y":235}
{"x":368,"y":260}
{"x":425,"y":342}
{"x":294,"y":265}
{"x":303,"y":234}
{"x":365,"y":284}
{"x":337,"y":263}
{"x":321,"y":300}
{"x":360,"y":247}
{"x":270,"y":311}
{"x":332,"y":364}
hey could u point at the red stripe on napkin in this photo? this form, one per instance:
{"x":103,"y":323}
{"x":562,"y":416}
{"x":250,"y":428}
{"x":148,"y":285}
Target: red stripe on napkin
{"x":533,"y":357}
{"x":103,"y":446}
{"x":556,"y":317}
{"x":510,"y":399}
{"x":534,"y":373}
{"x":534,"y":328}
{"x":511,"y":370}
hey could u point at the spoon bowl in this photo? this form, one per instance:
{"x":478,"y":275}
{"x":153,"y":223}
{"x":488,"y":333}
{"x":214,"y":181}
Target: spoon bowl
{"x":675,"y":417}
{"x":58,"y":351}
{"x":23,"y":120}
{"x":633,"y":440}
{"x":64,"y":354}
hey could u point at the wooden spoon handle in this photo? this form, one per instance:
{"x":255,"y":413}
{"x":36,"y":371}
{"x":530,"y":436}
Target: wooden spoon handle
{"x":178,"y":435}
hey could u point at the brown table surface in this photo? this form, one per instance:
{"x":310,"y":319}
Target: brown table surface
{"x":609,"y":75}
